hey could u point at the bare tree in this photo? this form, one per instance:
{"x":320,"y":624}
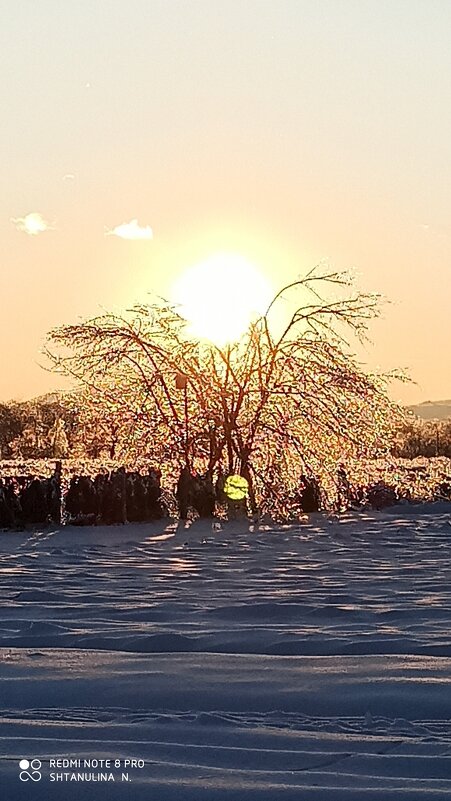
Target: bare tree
{"x":289,"y":396}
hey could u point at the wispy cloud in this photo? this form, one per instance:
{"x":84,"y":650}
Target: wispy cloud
{"x":32,"y":224}
{"x":131,"y":230}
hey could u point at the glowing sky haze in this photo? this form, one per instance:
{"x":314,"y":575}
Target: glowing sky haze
{"x":139,"y":138}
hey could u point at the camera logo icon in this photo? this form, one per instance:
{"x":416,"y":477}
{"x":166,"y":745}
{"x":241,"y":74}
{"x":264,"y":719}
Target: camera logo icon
{"x":30,"y":770}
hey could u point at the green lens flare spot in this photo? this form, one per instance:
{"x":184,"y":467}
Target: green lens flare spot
{"x":236,"y":488}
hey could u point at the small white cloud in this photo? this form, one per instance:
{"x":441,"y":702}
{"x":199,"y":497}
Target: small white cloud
{"x":131,"y":230}
{"x":69,"y":176}
{"x":32,"y":224}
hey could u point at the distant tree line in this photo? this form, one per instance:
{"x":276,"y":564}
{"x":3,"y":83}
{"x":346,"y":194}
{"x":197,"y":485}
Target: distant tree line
{"x":427,"y":438}
{"x":61,"y":425}
{"x":75,"y":425}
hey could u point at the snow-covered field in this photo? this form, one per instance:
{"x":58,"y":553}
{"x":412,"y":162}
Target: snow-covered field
{"x":311,"y":662}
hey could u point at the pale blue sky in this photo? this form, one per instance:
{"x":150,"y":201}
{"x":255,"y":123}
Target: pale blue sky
{"x":288,"y":131}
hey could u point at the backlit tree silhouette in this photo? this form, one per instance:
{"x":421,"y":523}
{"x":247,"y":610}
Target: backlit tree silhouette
{"x":288,"y":397}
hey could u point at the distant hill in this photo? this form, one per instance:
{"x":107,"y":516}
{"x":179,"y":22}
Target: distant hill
{"x":433,"y":410}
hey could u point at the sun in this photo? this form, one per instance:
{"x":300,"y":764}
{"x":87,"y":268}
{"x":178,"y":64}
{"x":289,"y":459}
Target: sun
{"x":220,"y":296}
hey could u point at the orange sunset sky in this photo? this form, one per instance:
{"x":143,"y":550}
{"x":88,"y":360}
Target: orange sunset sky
{"x":288,"y":131}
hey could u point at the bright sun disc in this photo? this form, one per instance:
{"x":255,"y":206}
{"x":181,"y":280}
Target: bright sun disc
{"x":220,"y":296}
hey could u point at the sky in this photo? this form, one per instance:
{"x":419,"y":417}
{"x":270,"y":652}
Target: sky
{"x":139,"y":138}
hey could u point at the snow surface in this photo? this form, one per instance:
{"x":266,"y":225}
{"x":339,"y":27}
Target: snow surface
{"x":308,"y":662}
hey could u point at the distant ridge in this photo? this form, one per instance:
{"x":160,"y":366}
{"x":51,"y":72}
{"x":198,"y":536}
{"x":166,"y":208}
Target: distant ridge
{"x":433,"y":410}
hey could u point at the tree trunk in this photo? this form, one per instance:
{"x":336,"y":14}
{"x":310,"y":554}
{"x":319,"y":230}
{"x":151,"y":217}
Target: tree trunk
{"x":246,"y":473}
